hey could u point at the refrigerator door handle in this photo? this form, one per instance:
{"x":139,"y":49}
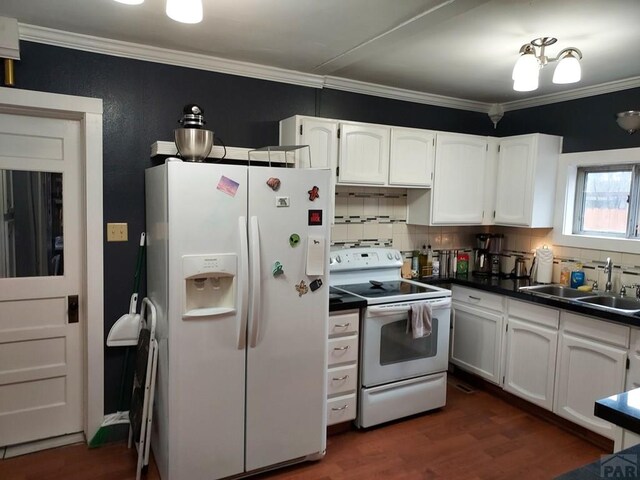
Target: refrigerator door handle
{"x":254,"y":307}
{"x":243,"y":258}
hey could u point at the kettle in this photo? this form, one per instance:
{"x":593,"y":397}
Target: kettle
{"x":520,"y":269}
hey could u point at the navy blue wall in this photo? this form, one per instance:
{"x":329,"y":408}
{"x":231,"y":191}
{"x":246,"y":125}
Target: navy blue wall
{"x":586,"y":124}
{"x":143,"y":101}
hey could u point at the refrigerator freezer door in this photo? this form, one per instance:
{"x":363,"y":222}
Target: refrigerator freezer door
{"x":286,"y":385}
{"x":206,"y":204}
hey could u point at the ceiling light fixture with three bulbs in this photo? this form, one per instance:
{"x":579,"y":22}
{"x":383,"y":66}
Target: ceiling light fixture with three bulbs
{"x":184,"y":11}
{"x":527,"y":69}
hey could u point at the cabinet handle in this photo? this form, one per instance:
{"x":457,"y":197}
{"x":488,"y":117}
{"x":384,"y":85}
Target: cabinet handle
{"x":346,"y":347}
{"x":341,"y":325}
{"x":338,"y":379}
{"x":474,"y":298}
{"x":337,"y":409}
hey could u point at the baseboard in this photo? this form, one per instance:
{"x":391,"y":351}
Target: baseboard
{"x":45,"y":444}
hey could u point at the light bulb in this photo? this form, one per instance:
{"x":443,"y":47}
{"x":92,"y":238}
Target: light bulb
{"x":527,"y":66}
{"x":130,"y":2}
{"x":185,"y":11}
{"x":568,"y":69}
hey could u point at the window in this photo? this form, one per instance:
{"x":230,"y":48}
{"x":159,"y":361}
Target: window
{"x":607,"y":201}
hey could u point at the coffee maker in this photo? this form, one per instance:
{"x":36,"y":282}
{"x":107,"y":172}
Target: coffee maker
{"x":481,"y":255}
{"x":487,"y":254}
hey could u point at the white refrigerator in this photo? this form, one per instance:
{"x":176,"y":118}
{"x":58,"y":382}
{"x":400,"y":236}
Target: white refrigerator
{"x":237,"y":267}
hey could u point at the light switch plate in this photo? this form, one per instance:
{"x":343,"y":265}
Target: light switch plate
{"x":117,"y":232}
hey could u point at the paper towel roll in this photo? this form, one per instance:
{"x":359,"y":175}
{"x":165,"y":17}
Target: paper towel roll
{"x":544,"y":265}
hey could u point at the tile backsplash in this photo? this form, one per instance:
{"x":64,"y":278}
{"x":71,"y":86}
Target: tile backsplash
{"x":370,"y":216}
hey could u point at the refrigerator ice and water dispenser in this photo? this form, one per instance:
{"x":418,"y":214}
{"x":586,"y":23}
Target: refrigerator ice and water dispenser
{"x":210,"y":284}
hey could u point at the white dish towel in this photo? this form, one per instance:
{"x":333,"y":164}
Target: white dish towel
{"x":419,"y":321}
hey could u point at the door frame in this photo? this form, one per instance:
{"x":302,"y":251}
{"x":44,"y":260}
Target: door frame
{"x":88,"y":112}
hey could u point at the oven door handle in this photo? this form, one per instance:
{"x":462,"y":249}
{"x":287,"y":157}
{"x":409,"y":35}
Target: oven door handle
{"x":405,"y":307}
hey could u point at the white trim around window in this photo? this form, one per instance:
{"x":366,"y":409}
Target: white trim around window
{"x":565,"y":199}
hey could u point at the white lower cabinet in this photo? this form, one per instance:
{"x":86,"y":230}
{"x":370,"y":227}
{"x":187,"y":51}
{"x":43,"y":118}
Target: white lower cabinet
{"x":477,"y":319}
{"x":591,"y":364}
{"x":530,"y":358}
{"x":342,"y":368}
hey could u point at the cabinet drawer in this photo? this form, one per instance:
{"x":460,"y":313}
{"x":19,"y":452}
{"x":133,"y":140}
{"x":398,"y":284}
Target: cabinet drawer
{"x":344,"y":323}
{"x":341,"y":409}
{"x":595,"y":329}
{"x":342,"y":379}
{"x":547,"y":317}
{"x":477,"y":298}
{"x":343,"y":350}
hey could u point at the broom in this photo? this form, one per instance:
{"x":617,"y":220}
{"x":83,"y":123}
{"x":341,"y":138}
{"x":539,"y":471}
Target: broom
{"x":121,"y":417}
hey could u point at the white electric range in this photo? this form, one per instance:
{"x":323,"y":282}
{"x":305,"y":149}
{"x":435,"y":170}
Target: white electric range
{"x":399,"y":375}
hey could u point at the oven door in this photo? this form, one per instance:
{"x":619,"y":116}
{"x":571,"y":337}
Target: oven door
{"x":389,"y":353}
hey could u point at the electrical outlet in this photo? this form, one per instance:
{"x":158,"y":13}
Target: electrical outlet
{"x":117,"y":232}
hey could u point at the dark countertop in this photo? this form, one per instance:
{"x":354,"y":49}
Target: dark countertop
{"x":623,"y":464}
{"x":339,"y":301}
{"x":509,"y":287}
{"x":622,"y":409}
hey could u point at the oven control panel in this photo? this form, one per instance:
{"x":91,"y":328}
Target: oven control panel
{"x":364,"y":258}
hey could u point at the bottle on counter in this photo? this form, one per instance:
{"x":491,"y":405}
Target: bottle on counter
{"x":415,"y":264}
{"x":577,"y":276}
{"x":564,"y":275}
{"x":426,"y":261}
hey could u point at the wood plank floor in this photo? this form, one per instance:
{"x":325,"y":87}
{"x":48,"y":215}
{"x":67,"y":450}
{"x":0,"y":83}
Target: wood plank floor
{"x":476,"y":436}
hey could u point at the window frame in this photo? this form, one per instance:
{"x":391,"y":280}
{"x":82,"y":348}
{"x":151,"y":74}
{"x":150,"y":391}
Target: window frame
{"x":562,"y":233}
{"x":632,"y":207}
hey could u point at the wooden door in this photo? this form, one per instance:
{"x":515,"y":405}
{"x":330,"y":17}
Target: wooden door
{"x":515,"y":181}
{"x":364,"y":154}
{"x":41,"y":361}
{"x":412,"y":154}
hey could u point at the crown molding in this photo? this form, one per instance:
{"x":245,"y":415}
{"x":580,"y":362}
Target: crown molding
{"x":76,"y":41}
{"x":377,"y":90}
{"x":136,"y":51}
{"x":178,"y":58}
{"x":602,"y":88}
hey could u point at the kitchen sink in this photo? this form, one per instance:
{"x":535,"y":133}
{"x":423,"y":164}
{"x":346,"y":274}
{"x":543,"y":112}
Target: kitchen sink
{"x":558,"y":291}
{"x":620,"y":304}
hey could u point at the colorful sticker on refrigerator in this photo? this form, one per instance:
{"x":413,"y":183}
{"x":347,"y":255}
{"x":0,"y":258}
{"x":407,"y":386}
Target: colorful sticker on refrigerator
{"x":302,"y":288}
{"x":294,"y":239}
{"x":315,"y":217}
{"x":274,"y":183}
{"x":277,"y":269}
{"x":228,"y":186}
{"x":314,"y":193}
{"x":316,"y":284}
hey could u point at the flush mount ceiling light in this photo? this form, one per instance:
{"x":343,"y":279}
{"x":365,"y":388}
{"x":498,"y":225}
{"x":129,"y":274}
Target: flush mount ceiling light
{"x":629,"y":121}
{"x":184,"y":11}
{"x":527,"y":68}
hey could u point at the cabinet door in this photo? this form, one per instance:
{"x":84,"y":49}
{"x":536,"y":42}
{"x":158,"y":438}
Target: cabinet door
{"x":322,"y":137}
{"x":587,"y":371}
{"x":364,"y":154}
{"x":476,"y":341}
{"x":531,"y":361}
{"x":515,"y":181}
{"x":458,"y":183}
{"x":412,"y":154}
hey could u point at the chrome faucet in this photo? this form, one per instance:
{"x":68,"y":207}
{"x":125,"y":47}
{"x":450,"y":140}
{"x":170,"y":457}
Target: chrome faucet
{"x":607,"y":269}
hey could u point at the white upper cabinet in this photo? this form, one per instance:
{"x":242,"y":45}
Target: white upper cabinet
{"x":526,"y":180}
{"x":364,"y":154}
{"x":412,"y":155}
{"x":459,"y":179}
{"x":321,"y":134}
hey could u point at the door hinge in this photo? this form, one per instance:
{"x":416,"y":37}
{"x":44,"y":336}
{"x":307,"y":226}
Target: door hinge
{"x":338,"y":132}
{"x":494,"y":214}
{"x":628,"y":363}
{"x":507,"y":328}
{"x":338,"y":172}
{"x":503,"y":379}
{"x":72,"y":308}
{"x":487,"y":147}
{"x":300,"y":129}
{"x":434,"y":142}
{"x":498,"y":148}
{"x":432,"y":181}
{"x":483,"y":215}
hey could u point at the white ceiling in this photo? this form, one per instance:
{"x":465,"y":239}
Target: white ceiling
{"x":456,"y":48}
